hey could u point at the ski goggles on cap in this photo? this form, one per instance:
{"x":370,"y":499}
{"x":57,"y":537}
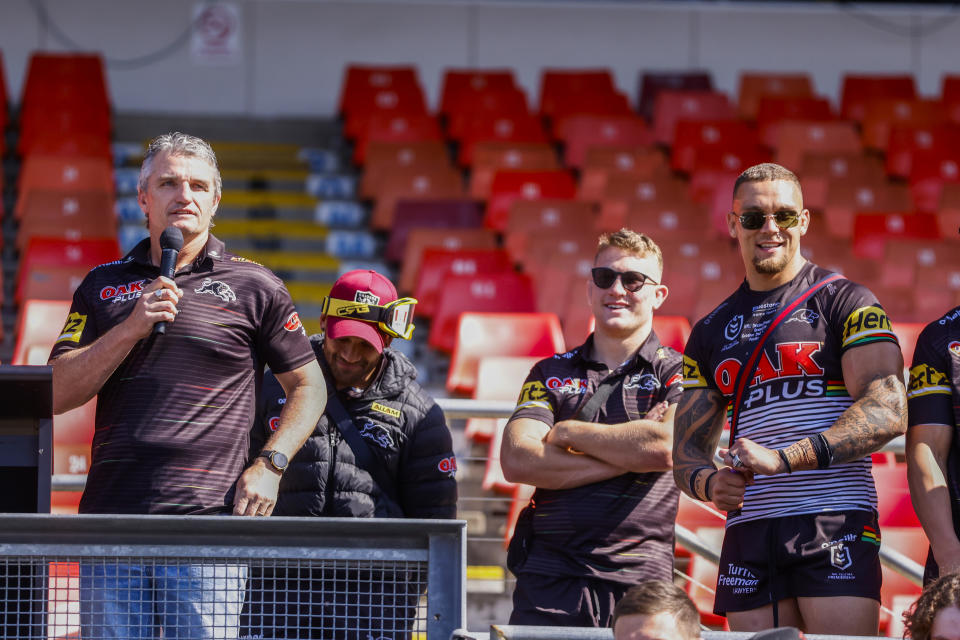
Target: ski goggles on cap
{"x":394,"y":318}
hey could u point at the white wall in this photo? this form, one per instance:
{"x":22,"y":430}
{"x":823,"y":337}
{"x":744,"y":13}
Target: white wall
{"x":294,"y":51}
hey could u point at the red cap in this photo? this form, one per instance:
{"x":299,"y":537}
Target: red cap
{"x":360,"y":285}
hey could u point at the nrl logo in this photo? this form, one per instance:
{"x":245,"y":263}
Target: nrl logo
{"x":220,"y":289}
{"x":733,"y":328}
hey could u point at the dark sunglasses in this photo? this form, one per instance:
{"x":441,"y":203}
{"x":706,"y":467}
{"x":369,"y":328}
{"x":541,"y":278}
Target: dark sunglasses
{"x":633,"y":281}
{"x":754,"y":220}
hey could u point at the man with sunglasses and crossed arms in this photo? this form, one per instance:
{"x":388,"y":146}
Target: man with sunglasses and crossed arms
{"x":813,"y":376}
{"x":602,"y":516}
{"x":395,"y":425}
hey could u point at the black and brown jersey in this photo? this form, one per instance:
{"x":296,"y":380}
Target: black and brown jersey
{"x":173,"y":420}
{"x":934,"y":398}
{"x":621,"y":529}
{"x":797,"y":388}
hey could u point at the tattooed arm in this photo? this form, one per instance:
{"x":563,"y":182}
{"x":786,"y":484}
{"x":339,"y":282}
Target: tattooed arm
{"x":697,"y":427}
{"x":873,"y":375}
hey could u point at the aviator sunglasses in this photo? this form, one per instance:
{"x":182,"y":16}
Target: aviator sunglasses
{"x":633,"y":281}
{"x":753,"y":220}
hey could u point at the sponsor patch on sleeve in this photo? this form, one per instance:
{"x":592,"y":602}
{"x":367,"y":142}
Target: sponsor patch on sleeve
{"x":866,"y":325}
{"x":534,"y":394}
{"x":692,"y":378}
{"x":387,"y":410}
{"x":73,"y":328}
{"x":448,"y":466}
{"x":926,"y":381}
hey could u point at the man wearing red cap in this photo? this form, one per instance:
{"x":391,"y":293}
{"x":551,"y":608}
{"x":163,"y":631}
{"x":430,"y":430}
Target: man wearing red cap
{"x":381,"y":449}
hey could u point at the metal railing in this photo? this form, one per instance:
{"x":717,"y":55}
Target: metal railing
{"x":246,"y":577}
{"x":517,"y":632}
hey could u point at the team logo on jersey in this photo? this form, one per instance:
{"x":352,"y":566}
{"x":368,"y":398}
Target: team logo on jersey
{"x":954,"y":348}
{"x":804,"y":315}
{"x":217,"y":288}
{"x":533,"y":394}
{"x":377,"y":434}
{"x":366,"y":297}
{"x":867,"y":324}
{"x":925,"y":380}
{"x":122,"y":292}
{"x":274,"y":423}
{"x":448,"y":466}
{"x":73,"y":328}
{"x":390,"y":411}
{"x":645,"y":381}
{"x":733,"y":328}
{"x":692,"y":378}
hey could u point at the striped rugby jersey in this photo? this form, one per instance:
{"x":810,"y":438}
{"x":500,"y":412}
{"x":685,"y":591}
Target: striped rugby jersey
{"x":797,"y":389}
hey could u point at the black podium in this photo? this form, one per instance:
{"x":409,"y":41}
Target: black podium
{"x":26,"y":465}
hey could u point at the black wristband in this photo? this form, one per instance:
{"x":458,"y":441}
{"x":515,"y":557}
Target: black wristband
{"x":693,"y":483}
{"x":819,"y":444}
{"x":783,"y":456}
{"x":826,"y":445}
{"x":706,"y":485}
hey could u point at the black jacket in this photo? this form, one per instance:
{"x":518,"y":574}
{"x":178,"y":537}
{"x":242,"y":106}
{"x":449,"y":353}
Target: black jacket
{"x":404,"y":429}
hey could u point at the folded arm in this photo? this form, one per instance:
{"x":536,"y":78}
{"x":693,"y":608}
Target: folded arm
{"x":928,"y":446}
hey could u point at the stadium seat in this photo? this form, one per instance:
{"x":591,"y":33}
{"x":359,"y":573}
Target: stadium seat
{"x":38,"y":326}
{"x":498,"y":378}
{"x":673,"y":331}
{"x":386,"y":157}
{"x":72,"y":126}
{"x":796,"y":138}
{"x":60,"y":260}
{"x":714,"y":165}
{"x":486,"y":334}
{"x":485,"y":105}
{"x":648,"y":163}
{"x":772,"y":112}
{"x":437,"y":264}
{"x":71,"y":216}
{"x":50,"y":74}
{"x":490,"y":157}
{"x":651,"y":83}
{"x":580,"y":133}
{"x":907,"y":334}
{"x":65,"y":173}
{"x":902,"y":259}
{"x":509,"y":186}
{"x":818,"y":169}
{"x":860,"y":89}
{"x":502,"y":128}
{"x":414,"y":183}
{"x":531,"y":217}
{"x":907,"y":140}
{"x":930,"y":170}
{"x":437,"y":214}
{"x":360,"y":80}
{"x":559,"y":85}
{"x":755,"y":86}
{"x":692,"y":136}
{"x":672,"y":107}
{"x":667,"y":222}
{"x":73,"y":143}
{"x":882,"y":115}
{"x":624,"y":191}
{"x":420,"y":239}
{"x":457,"y":81}
{"x":872,"y":231}
{"x":388,"y":102}
{"x":395,"y":127}
{"x":845,"y":199}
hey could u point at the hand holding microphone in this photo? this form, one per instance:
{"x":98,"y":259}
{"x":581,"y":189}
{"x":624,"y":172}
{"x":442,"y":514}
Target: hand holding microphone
{"x":171,"y":241}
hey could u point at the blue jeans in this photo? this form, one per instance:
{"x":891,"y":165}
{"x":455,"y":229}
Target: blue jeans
{"x":136,"y":601}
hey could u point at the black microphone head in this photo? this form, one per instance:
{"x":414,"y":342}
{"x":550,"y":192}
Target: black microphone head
{"x":171,"y":238}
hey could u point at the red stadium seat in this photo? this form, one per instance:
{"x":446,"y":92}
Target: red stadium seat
{"x":756,"y":86}
{"x":872,"y":231}
{"x":895,"y":508}
{"x":673,"y":331}
{"x":414,"y":183}
{"x":53,"y":77}
{"x":948,"y":214}
{"x":930,"y":170}
{"x":510,"y":186}
{"x":903,"y":258}
{"x":383,"y":158}
{"x":531,"y":217}
{"x":672,"y":107}
{"x":38,"y":327}
{"x":437,"y":214}
{"x":420,"y":239}
{"x":360,"y":80}
{"x":907,"y":140}
{"x":774,"y":111}
{"x":795,"y":139}
{"x":882,"y":115}
{"x":860,"y":89}
{"x":647,"y":163}
{"x":71,"y":216}
{"x":653,"y":82}
{"x":819,"y":169}
{"x":485,"y":105}
{"x":907,"y":334}
{"x":395,"y":127}
{"x":56,"y":256}
{"x":845,"y":199}
{"x":498,"y":378}
{"x":66,"y":174}
{"x":502,"y":128}
{"x":386,"y":103}
{"x":437,"y":264}
{"x":490,"y":157}
{"x":559,"y":85}
{"x":458,"y":81}
{"x":581,"y":133}
{"x":68,"y":129}
{"x":481,"y":335}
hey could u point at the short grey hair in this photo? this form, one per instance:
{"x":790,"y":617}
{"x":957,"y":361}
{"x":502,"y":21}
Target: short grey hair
{"x":179,"y":144}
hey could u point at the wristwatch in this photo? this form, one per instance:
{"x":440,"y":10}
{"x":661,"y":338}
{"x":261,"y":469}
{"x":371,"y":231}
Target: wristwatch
{"x":277,"y":460}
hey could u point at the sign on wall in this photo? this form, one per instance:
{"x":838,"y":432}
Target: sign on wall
{"x":216,"y":33}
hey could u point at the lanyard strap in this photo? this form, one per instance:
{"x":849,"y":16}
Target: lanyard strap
{"x":746,"y":372}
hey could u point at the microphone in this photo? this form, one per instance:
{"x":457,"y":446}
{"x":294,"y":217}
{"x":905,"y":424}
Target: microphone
{"x":171,"y":241}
